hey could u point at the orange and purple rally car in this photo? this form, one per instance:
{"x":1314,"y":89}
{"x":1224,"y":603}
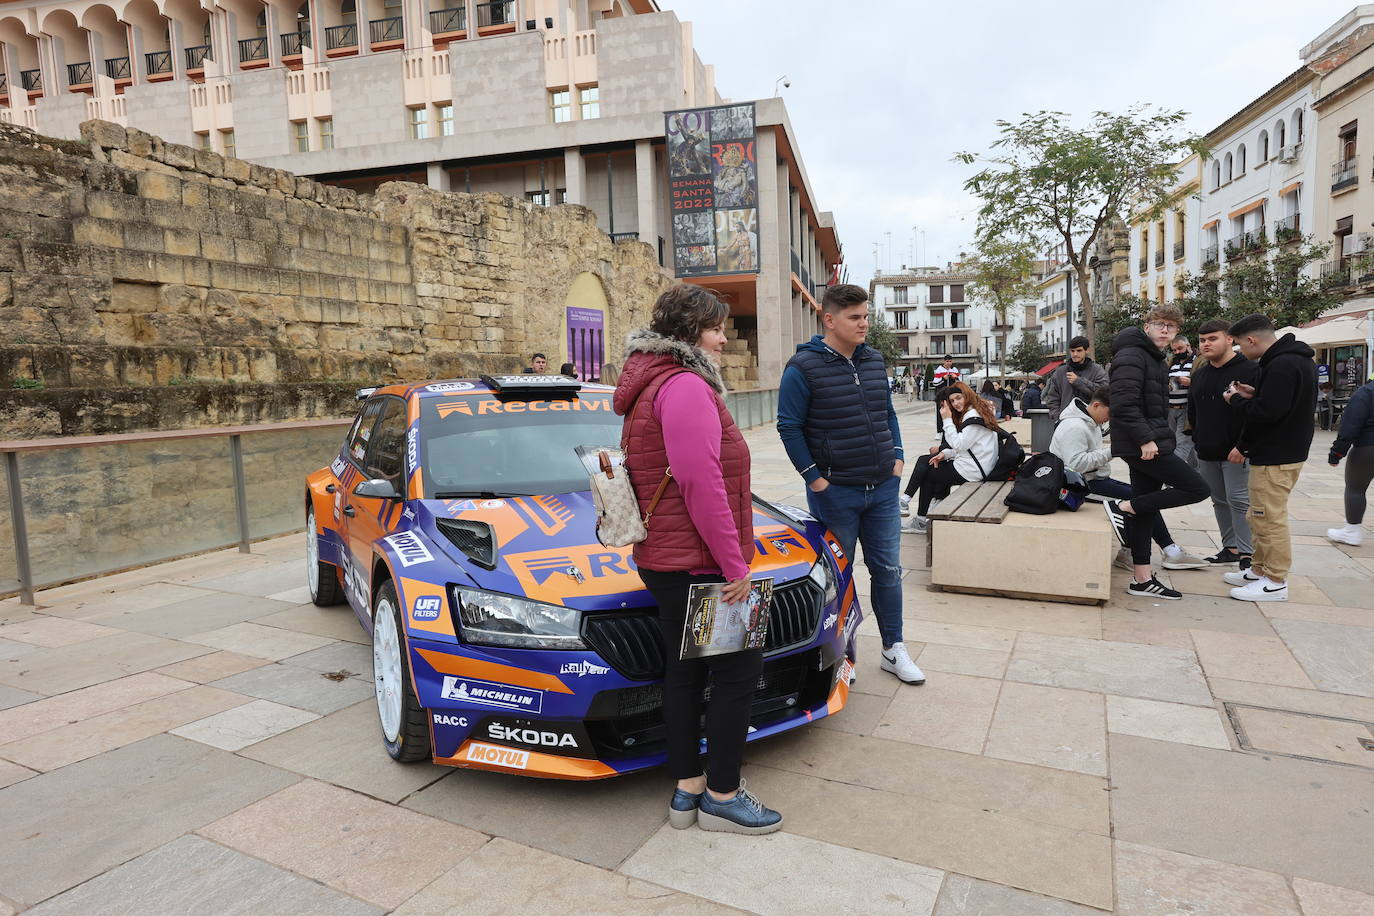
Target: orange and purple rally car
{"x":458,"y":524}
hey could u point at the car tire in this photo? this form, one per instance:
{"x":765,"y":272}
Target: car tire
{"x":321,"y":577}
{"x":404,"y":722}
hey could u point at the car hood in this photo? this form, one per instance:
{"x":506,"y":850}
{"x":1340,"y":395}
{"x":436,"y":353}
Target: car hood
{"x":546,"y":549}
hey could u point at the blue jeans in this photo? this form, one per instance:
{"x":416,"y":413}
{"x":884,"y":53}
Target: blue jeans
{"x":873,"y":516}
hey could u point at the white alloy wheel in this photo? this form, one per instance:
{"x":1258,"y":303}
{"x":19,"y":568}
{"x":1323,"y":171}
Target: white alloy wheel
{"x":386,"y":668}
{"x":312,"y":554}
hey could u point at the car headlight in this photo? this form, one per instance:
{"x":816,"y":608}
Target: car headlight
{"x":492,"y":619}
{"x":824,"y":576}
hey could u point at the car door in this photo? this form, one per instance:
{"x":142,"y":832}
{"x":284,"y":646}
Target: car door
{"x":369,"y":518}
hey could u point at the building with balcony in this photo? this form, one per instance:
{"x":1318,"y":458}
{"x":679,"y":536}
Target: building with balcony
{"x":1166,"y":246}
{"x":1110,"y":264}
{"x":550,"y":101}
{"x":1057,"y":311}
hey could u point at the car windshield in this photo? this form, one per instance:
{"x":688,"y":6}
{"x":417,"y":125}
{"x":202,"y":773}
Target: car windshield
{"x":476,"y":445}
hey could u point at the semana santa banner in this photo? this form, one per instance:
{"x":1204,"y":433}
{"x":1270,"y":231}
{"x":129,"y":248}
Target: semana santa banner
{"x":713,"y":189}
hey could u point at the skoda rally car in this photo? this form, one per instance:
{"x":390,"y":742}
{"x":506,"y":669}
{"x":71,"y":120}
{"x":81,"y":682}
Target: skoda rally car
{"x":457,"y":522}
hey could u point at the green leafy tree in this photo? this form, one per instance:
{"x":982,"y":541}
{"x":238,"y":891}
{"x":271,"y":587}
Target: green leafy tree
{"x":1046,"y":179}
{"x":1029,"y":353}
{"x":1002,"y":272}
{"x":881,"y":338}
{"x":1270,"y":280}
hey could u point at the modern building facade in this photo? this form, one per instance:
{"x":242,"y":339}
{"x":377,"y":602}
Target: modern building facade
{"x":1163,"y":248}
{"x":552,"y":101}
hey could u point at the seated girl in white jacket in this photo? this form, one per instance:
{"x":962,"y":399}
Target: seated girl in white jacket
{"x":968,"y":451}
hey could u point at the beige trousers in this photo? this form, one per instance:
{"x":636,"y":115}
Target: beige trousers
{"x":1268,"y":515}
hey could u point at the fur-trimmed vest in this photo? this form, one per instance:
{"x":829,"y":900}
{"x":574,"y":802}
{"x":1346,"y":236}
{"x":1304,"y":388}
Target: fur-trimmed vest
{"x":673,"y":543}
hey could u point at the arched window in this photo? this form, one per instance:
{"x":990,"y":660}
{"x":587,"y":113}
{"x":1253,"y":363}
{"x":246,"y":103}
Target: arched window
{"x":1240,"y":160}
{"x":1297,"y":127}
{"x":1264,"y":146}
{"x":1229,"y":168}
{"x":1281,"y":135}
{"x":1216,"y":174}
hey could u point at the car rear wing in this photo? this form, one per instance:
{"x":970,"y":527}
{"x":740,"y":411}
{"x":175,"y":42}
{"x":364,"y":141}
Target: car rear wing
{"x":532,"y":386}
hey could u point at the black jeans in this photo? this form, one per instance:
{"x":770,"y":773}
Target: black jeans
{"x":1163,"y":482}
{"x":1116,"y":489}
{"x":933,"y":482}
{"x":734,"y":677}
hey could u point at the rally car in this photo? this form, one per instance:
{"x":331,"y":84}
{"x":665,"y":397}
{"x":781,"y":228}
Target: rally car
{"x":457,"y":522}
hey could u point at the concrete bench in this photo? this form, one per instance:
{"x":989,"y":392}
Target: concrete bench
{"x":977,"y":545}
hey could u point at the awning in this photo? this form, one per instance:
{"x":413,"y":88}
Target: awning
{"x":1049,"y":367}
{"x":1330,"y":332}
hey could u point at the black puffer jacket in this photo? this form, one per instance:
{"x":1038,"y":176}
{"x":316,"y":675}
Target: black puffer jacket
{"x":1279,"y":418}
{"x":1139,"y":381}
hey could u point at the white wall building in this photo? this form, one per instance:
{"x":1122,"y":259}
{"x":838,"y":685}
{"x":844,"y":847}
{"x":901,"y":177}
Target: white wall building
{"x":1164,"y":248}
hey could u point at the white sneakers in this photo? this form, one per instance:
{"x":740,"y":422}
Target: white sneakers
{"x":1241,"y":577}
{"x":918,"y":523}
{"x":1350,"y":534}
{"x":897,"y":661}
{"x":906,"y":503}
{"x":1262,"y":589}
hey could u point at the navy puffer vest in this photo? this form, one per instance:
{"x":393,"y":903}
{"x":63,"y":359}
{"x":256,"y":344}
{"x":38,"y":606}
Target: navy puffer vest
{"x":846,"y":423}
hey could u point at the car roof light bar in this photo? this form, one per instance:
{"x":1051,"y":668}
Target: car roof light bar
{"x":532,"y":386}
{"x":364,"y":393}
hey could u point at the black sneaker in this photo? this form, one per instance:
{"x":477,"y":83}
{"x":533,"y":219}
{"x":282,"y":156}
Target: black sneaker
{"x":1117,"y":519}
{"x":1153,"y":588}
{"x":1224,"y":557}
{"x":1245,"y":562}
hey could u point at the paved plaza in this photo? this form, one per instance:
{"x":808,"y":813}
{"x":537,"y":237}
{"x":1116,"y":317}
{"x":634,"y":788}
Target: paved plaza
{"x":197,"y":736}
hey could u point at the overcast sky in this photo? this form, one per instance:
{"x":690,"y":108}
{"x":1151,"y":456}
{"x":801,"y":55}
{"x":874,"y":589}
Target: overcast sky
{"x":885,"y":92}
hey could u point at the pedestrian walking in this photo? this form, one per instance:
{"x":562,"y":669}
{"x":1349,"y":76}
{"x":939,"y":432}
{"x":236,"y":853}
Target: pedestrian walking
{"x":967,"y":451}
{"x":1079,"y":443}
{"x":1276,"y":434}
{"x":1004,"y":394}
{"x":1030,"y":400}
{"x":1077,"y":378}
{"x":1216,"y":433}
{"x":670,"y":393}
{"x":1141,"y":436}
{"x":1355,"y":443}
{"x":836,"y":419}
{"x":1180,"y":380}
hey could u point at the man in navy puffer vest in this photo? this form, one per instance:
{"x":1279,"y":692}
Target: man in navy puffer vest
{"x":836,"y":419}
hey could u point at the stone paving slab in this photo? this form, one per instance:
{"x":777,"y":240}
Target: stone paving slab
{"x":1317,"y":899}
{"x":345,"y":656}
{"x":1338,"y":658}
{"x":191,"y":874}
{"x":12,"y":696}
{"x":1157,"y":882}
{"x":53,"y":632}
{"x":206,"y":668}
{"x":235,"y":729}
{"x":783,"y":873}
{"x":53,"y":671}
{"x":260,"y":582}
{"x":10,"y":773}
{"x":299,"y":687}
{"x":209,"y":610}
{"x":951,"y":711}
{"x":48,"y":713}
{"x":363,"y":847}
{"x":1258,"y":659}
{"x":1050,"y":726}
{"x":271,"y":643}
{"x":64,"y":827}
{"x":1128,"y":669}
{"x":1199,"y":725}
{"x":333,"y":622}
{"x":965,"y":896}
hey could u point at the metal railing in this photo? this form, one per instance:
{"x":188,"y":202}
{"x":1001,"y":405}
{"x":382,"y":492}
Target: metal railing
{"x":158,"y":62}
{"x":251,"y":49}
{"x":1235,"y":247}
{"x":380,"y":30}
{"x":196,"y":56}
{"x":1159,"y":258}
{"x":79,"y":74}
{"x":624,"y":236}
{"x":117,"y":68}
{"x":501,"y":12}
{"x":32,"y":80}
{"x":1209,"y":256}
{"x":293,"y":42}
{"x":1345,"y":174}
{"x":341,"y":36}
{"x":1178,"y":251}
{"x":1288,"y":228}
{"x":449,"y":20}
{"x":1335,"y":273}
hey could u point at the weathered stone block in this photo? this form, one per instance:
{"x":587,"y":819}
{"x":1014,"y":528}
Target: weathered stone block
{"x":237,"y":170}
{"x":92,"y":231}
{"x":159,"y":186}
{"x":143,"y":237}
{"x":209,"y":162}
{"x":178,"y":156}
{"x":105,"y":134}
{"x":182,"y":242}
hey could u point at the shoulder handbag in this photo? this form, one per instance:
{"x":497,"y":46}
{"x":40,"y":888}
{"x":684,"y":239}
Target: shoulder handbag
{"x":618,"y":522}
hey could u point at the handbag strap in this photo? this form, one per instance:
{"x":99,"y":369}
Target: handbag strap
{"x":625,"y":447}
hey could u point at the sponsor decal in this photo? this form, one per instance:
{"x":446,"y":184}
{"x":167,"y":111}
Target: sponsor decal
{"x":469,"y":407}
{"x":830,"y":620}
{"x":451,"y":386}
{"x":851,"y":623}
{"x":410,"y":550}
{"x":413,"y":447}
{"x":338,"y":466}
{"x":582,"y":668}
{"x":353,"y":581}
{"x":501,"y":756}
{"x":845,"y":673}
{"x":531,"y":736}
{"x":408,"y":513}
{"x":427,"y":607}
{"x":491,"y":504}
{"x":458,"y":721}
{"x":835,"y":549}
{"x":485,"y":693}
{"x":782,"y":547}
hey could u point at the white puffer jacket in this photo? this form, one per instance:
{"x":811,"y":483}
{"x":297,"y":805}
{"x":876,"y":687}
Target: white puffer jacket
{"x":1078,"y":442}
{"x":974,"y":439}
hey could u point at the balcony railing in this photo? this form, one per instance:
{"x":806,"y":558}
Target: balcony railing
{"x":1287,"y":229}
{"x":450,"y":20}
{"x":1361,"y":268}
{"x":1159,"y":258}
{"x":4,"y":84}
{"x":1345,"y":174}
{"x":1335,"y":273}
{"x":380,"y":30}
{"x":158,"y":62}
{"x":1178,"y":251}
{"x":502,"y":12}
{"x":292,"y":42}
{"x":1235,"y":247}
{"x":251,"y":49}
{"x":79,"y":74}
{"x":117,"y":68}
{"x":32,"y":80}
{"x":1255,"y":240}
{"x":1209,"y":256}
{"x":341,"y":36}
{"x":196,"y":56}
{"x":1144,"y":262}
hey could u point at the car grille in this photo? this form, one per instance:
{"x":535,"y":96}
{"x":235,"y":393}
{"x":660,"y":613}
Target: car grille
{"x":633,"y":643}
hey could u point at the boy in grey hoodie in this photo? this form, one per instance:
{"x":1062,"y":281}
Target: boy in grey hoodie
{"x":1079,"y":444}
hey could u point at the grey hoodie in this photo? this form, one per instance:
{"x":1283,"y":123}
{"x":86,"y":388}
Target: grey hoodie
{"x":1078,"y":442}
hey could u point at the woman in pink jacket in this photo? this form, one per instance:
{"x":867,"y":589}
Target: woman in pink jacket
{"x":670,"y":393}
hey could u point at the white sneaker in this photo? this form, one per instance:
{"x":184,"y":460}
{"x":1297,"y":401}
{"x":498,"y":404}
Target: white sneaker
{"x":917,"y":523}
{"x":1350,"y":534}
{"x":1240,"y":578}
{"x":906,"y":502}
{"x":1262,"y":589}
{"x":899,"y":663}
{"x":1182,"y":559}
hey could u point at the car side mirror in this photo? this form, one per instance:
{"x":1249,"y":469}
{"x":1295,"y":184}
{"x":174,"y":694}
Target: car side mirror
{"x":376,"y":488}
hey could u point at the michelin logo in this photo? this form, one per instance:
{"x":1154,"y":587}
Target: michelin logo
{"x":582,"y":668}
{"x":427,"y":607}
{"x":410,"y":550}
{"x":484,"y":693}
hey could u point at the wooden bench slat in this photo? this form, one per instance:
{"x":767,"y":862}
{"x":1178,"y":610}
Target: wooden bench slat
{"x":997,"y":507}
{"x":973,"y":506}
{"x":954,"y":501}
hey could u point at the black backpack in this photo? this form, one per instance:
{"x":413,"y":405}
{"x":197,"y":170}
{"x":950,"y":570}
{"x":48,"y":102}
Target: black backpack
{"x":1037,"y":485}
{"x":1010,"y":454}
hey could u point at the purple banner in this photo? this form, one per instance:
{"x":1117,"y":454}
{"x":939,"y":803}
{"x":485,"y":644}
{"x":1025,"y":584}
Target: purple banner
{"x":586,"y":341}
